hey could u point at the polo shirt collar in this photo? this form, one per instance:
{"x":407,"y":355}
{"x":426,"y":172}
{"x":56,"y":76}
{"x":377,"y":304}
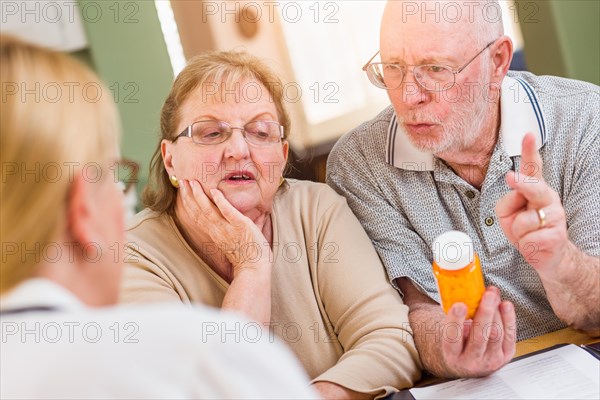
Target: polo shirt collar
{"x":520,"y":113}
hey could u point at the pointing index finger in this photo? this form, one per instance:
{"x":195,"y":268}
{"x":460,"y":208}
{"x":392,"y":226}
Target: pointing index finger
{"x":531,"y":161}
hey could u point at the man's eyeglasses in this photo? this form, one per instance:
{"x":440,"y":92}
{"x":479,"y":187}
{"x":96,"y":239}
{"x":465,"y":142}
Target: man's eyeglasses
{"x":431,"y":77}
{"x":210,"y":132}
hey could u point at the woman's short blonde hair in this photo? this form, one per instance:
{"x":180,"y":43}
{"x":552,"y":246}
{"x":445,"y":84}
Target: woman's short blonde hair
{"x":56,"y":119}
{"x":216,"y":73}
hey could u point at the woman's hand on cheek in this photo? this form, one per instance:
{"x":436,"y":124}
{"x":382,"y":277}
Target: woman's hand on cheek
{"x":233,"y":233}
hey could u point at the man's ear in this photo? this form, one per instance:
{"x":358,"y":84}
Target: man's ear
{"x":79,"y":211}
{"x":502,"y":56}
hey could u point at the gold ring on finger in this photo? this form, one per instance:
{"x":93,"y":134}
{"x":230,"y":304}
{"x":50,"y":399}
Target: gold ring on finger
{"x":542,"y":217}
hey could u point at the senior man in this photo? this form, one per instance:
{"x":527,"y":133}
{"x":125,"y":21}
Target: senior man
{"x":509,"y":158}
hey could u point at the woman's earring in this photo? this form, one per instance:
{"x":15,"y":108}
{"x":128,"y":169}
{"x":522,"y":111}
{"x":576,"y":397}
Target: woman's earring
{"x":174,"y":181}
{"x":281,"y":181}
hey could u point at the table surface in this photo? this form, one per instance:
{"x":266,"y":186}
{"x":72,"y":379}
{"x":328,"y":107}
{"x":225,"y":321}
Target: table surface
{"x":567,"y":335}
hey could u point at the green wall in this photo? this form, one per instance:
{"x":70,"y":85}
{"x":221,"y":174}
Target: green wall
{"x":127,"y":50}
{"x":562,"y":37}
{"x":578,"y":22}
{"x":84,"y":56}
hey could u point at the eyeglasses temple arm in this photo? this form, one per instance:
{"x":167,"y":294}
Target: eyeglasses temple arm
{"x":364,"y":68}
{"x":187,"y":132}
{"x":474,"y":57}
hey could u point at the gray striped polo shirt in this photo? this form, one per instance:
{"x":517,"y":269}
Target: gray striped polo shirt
{"x":405,"y":197}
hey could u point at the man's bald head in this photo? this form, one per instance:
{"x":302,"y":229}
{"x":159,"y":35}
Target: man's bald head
{"x":462,"y":21}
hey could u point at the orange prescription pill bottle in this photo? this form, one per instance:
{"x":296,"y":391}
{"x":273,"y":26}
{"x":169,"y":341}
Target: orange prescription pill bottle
{"x":457,"y":270}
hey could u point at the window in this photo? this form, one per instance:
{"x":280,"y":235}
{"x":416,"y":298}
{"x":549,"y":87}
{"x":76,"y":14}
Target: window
{"x":171,"y":35}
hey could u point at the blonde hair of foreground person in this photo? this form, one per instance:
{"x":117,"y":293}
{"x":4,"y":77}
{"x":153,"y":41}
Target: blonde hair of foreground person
{"x":58,"y":133}
{"x":36,"y":212}
{"x":203,"y":71}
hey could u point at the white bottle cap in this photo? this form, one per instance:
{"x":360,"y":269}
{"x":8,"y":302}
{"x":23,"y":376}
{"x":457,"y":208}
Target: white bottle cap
{"x":453,"y":250}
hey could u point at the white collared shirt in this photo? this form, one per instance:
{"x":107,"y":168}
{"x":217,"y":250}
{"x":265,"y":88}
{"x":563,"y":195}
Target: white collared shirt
{"x":55,"y":347}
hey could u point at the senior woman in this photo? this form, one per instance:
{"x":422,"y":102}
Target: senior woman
{"x":223,"y":227}
{"x":59,"y":272}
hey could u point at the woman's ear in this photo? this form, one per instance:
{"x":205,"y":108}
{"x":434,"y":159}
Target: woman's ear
{"x":80,"y":221}
{"x":165,"y":151}
{"x":286,"y":149}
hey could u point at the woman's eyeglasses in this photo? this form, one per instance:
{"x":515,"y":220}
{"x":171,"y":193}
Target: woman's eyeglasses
{"x":210,"y":132}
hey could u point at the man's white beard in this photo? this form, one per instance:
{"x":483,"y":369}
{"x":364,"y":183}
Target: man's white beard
{"x":464,"y":125}
{"x":462,"y":131}
{"x":459,"y":133}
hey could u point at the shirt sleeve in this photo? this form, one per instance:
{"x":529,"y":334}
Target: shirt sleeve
{"x":403,"y":252}
{"x":144,"y":281}
{"x":236,"y":367}
{"x":257,"y":371}
{"x":367,"y":315}
{"x":580,"y":200}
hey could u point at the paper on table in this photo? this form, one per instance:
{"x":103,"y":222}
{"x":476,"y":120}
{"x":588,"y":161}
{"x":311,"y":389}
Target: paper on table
{"x":567,"y":372}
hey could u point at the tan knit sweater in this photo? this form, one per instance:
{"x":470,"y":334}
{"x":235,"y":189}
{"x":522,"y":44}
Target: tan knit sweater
{"x":331,"y":301}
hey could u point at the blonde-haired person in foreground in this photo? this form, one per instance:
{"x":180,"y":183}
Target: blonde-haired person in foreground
{"x":62,"y":232}
{"x":224,"y":228}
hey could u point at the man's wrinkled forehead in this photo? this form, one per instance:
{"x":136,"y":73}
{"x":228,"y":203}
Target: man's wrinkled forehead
{"x":429,"y":24}
{"x":443,"y":11}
